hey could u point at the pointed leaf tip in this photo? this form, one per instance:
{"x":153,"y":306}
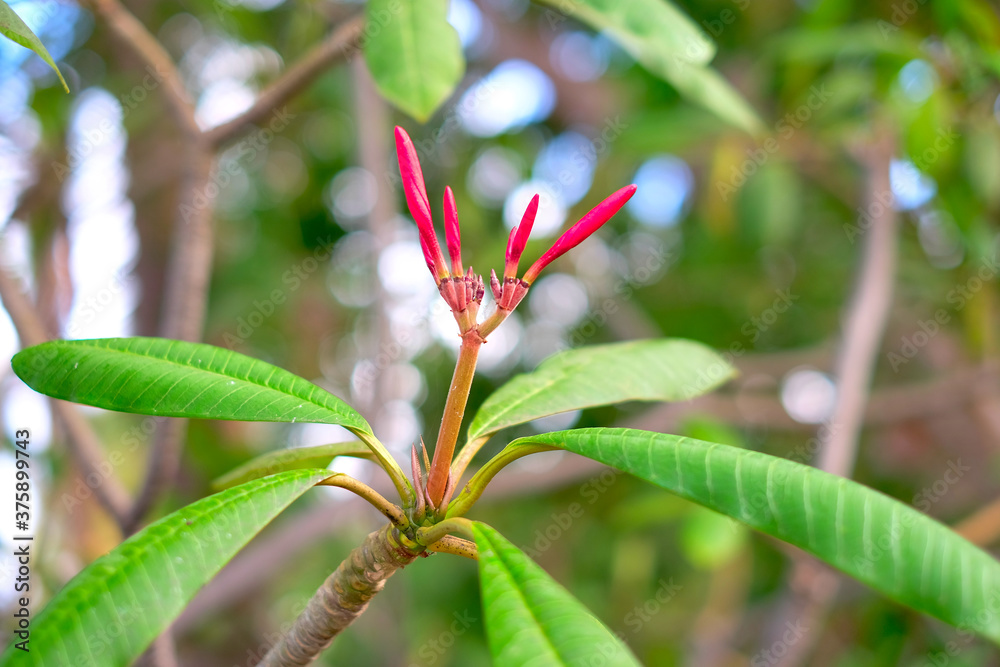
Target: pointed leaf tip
{"x":416,"y":201}
{"x":586,"y":226}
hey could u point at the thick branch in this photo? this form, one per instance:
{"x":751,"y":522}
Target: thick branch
{"x":341,"y":45}
{"x":341,"y":599}
{"x":188,"y":274}
{"x":864,"y":326}
{"x":867,"y":317}
{"x":83,"y":443}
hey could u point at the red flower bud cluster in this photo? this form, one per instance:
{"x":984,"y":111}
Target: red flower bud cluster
{"x":463,"y":290}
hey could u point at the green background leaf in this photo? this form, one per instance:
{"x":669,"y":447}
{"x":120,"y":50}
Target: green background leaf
{"x":650,"y":30}
{"x":154,"y":376}
{"x":14,"y":29}
{"x":644,"y":370}
{"x":110,"y":612}
{"x":876,"y":539}
{"x":531,"y":619}
{"x":671,"y":46}
{"x":413,"y":53}
{"x":318,"y":456}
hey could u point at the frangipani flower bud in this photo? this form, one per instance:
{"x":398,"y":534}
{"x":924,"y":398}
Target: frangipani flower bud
{"x":452,"y":235}
{"x":519,"y":238}
{"x":417,"y":202}
{"x":587,"y":225}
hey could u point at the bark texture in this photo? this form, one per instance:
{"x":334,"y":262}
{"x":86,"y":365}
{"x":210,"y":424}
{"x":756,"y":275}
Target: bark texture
{"x":342,"y":598}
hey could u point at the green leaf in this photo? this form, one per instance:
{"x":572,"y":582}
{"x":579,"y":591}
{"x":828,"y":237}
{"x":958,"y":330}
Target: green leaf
{"x":154,"y":376}
{"x":413,"y":53}
{"x":295,"y":458}
{"x":14,"y":29}
{"x":706,"y":87}
{"x":644,"y":370}
{"x":111,"y":611}
{"x":650,"y":30}
{"x":878,"y":540}
{"x":671,"y":46}
{"x":531,"y":619}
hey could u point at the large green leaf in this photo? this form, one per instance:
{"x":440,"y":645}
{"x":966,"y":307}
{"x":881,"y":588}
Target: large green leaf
{"x":110,"y":612}
{"x":319,"y":456}
{"x":644,"y":370}
{"x":14,"y":29}
{"x":709,"y":89}
{"x":531,"y":619}
{"x":651,"y":30}
{"x":668,"y":44}
{"x":413,"y":53}
{"x":154,"y":376}
{"x":876,"y":539}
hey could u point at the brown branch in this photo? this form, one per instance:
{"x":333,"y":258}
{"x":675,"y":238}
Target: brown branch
{"x":83,"y":443}
{"x":342,"y":598}
{"x":151,"y":53}
{"x":341,"y":45}
{"x":983,"y":527}
{"x":188,"y":274}
{"x":867,"y":317}
{"x":864,"y":326}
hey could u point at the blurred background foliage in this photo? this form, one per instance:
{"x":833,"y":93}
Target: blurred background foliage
{"x":749,"y":244}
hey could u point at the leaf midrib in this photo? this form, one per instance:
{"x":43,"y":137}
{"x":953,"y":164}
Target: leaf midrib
{"x":262,"y":384}
{"x":520,"y":594}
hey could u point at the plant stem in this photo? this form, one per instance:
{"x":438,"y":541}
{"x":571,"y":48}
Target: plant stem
{"x":449,"y":544}
{"x":454,"y":411}
{"x":342,"y":597}
{"x":470,"y":494}
{"x":466,"y":454}
{"x":373,"y":497}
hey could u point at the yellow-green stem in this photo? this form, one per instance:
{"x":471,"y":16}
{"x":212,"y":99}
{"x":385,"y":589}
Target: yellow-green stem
{"x":374,"y":498}
{"x":432,"y":534}
{"x":449,"y":544}
{"x":470,"y":494}
{"x":465,"y":456}
{"x":451,"y":420}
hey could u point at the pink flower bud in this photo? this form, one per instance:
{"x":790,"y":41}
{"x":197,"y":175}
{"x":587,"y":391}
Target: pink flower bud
{"x":417,"y":202}
{"x":452,"y":234}
{"x":587,"y":225}
{"x":519,"y":238}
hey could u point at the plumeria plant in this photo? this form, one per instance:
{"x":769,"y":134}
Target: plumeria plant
{"x":529,"y":617}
